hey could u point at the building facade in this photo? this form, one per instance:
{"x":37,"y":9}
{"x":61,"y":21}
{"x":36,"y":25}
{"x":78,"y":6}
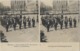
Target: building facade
{"x":17,"y":5}
{"x":24,"y":5}
{"x":32,"y":7}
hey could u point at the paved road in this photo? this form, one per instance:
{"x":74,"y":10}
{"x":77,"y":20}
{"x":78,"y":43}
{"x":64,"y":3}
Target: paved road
{"x":23,"y":35}
{"x":65,"y":35}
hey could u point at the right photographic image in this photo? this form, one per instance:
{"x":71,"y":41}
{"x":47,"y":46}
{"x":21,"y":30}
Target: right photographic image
{"x":59,"y":21}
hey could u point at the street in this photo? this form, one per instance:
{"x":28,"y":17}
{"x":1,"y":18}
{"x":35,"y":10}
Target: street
{"x":23,"y":35}
{"x":64,"y":35}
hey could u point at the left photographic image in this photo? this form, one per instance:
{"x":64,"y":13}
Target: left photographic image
{"x":19,"y":21}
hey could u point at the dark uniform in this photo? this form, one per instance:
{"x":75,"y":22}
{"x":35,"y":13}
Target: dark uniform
{"x":7,"y":25}
{"x":48,"y":25}
{"x":33,"y":22}
{"x":56,"y":23}
{"x":53,"y":21}
{"x":74,"y":20}
{"x":70,"y":22}
{"x":14,"y":24}
{"x":20,"y":23}
{"x":24,"y":22}
{"x":29,"y":22}
{"x":17,"y":20}
{"x":66,"y":22}
{"x":61,"y":22}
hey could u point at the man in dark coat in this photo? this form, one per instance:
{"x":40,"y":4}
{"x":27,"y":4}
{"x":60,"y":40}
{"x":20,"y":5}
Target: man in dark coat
{"x":53,"y":21}
{"x":56,"y":23}
{"x":29,"y":22}
{"x":20,"y":22}
{"x":48,"y":25}
{"x":66,"y":22}
{"x":61,"y":23}
{"x":33,"y":22}
{"x":74,"y":20}
{"x":7,"y":24}
{"x":14,"y":23}
{"x":70,"y":22}
{"x":24,"y":21}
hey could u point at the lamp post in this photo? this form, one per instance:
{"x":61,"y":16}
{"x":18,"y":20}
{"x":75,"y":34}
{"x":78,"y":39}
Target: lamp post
{"x":21,"y":11}
{"x":37,"y":10}
{"x":79,"y":10}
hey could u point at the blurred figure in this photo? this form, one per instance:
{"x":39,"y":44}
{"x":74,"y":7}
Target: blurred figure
{"x":3,"y":37}
{"x":66,"y":22}
{"x":53,"y":21}
{"x":56,"y":24}
{"x":61,"y":23}
{"x":70,"y":22}
{"x":14,"y":23}
{"x":42,"y":37}
{"x":33,"y":22}
{"x":75,"y":22}
{"x":7,"y":24}
{"x":48,"y":25}
{"x":20,"y":22}
{"x":29,"y":22}
{"x":24,"y":21}
{"x":42,"y":20}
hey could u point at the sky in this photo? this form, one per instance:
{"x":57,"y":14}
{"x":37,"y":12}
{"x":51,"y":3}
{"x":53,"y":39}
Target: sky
{"x":49,"y":2}
{"x":46,"y":2}
{"x":5,"y":2}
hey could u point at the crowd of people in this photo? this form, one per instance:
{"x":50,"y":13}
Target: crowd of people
{"x":17,"y":21}
{"x":49,"y":21}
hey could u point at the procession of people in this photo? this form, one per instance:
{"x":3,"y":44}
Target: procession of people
{"x":17,"y":21}
{"x":50,"y":21}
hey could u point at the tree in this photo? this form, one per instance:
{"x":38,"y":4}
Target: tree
{"x":44,"y":8}
{"x":4,"y":9}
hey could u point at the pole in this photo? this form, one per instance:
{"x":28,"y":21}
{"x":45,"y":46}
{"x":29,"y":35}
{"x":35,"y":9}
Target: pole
{"x":21,"y":11}
{"x":78,"y":11}
{"x":37,"y":10}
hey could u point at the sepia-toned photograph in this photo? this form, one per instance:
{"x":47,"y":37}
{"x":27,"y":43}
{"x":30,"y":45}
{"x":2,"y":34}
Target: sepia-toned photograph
{"x":19,"y":21}
{"x":59,"y":21}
